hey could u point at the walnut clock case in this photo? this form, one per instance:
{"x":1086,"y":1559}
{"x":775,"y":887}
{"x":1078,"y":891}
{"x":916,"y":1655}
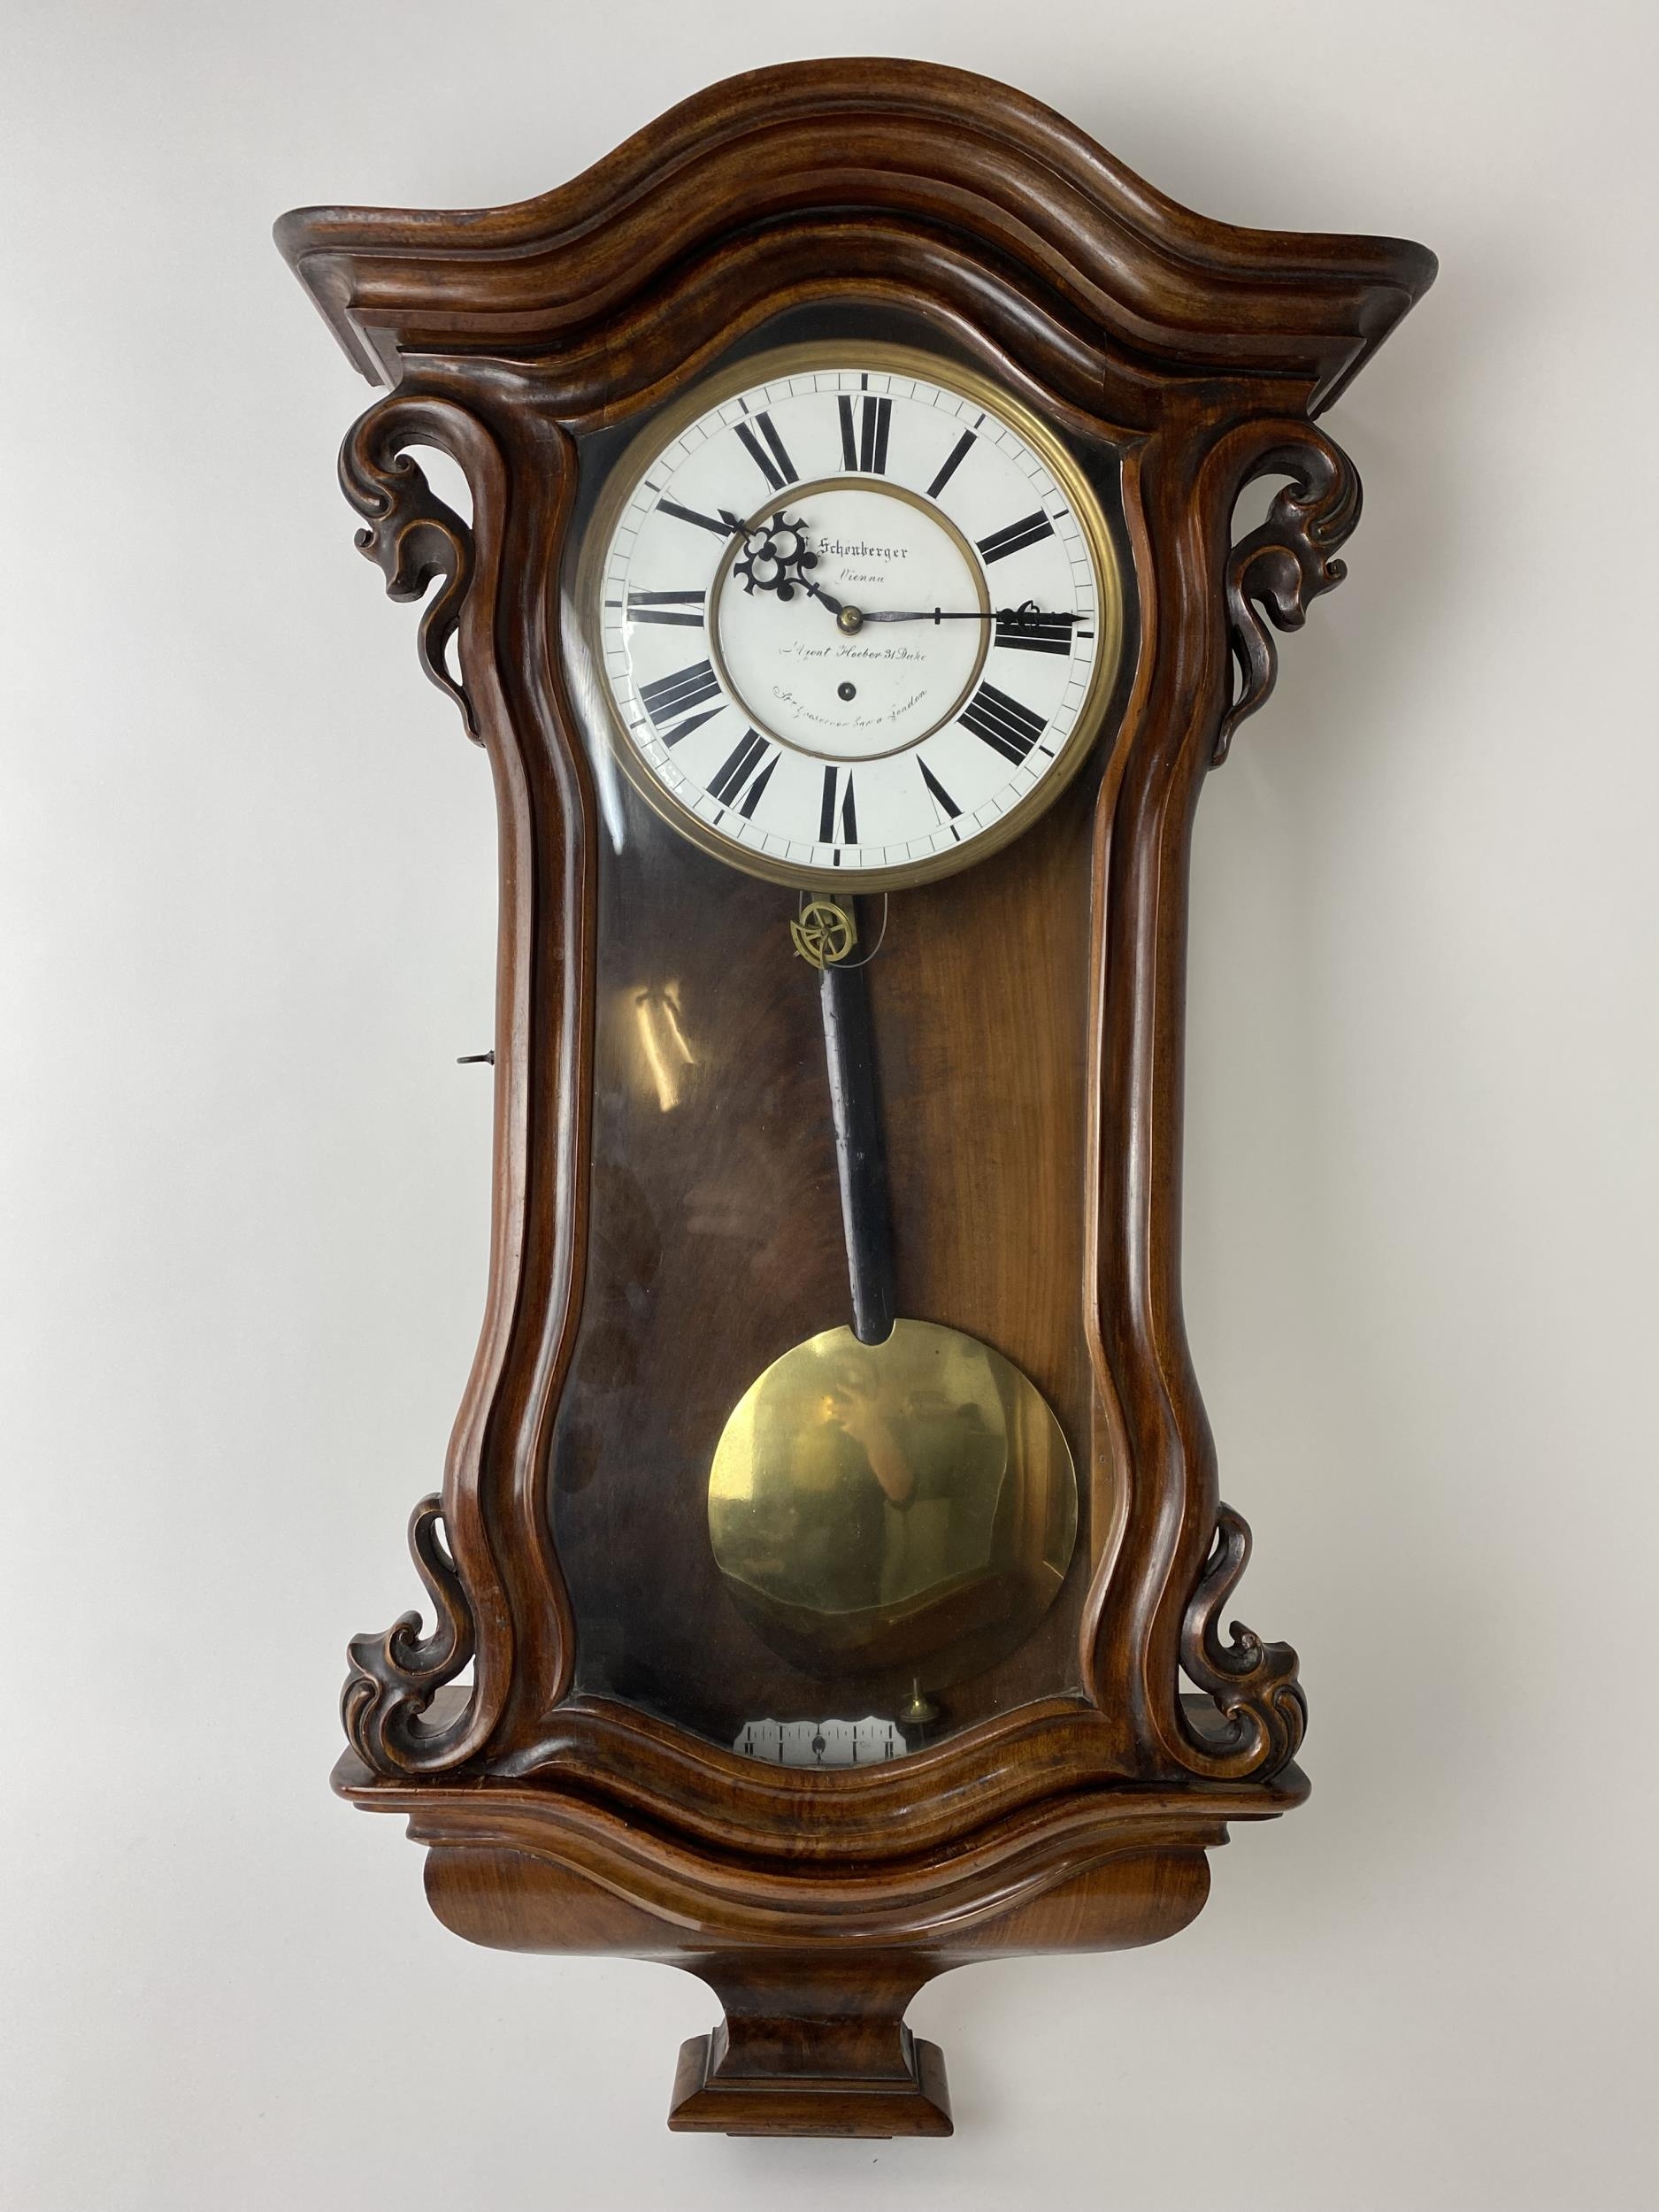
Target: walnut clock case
{"x":850,"y":613}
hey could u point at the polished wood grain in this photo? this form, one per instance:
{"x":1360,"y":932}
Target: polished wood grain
{"x":649,"y":1257}
{"x":716,"y":1237}
{"x":823,"y":153}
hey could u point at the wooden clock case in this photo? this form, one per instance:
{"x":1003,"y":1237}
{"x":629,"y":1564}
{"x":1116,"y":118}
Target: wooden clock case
{"x":1075,"y":1808}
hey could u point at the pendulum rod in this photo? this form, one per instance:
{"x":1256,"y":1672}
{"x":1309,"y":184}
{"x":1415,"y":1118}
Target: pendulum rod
{"x":860,"y":1154}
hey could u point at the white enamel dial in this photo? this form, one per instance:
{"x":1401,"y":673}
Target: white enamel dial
{"x":853,"y":622}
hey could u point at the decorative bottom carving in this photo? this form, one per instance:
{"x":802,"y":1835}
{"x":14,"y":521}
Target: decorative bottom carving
{"x":811,"y":2047}
{"x":1254,"y":1685}
{"x":396,"y":1675}
{"x":815,"y":1960}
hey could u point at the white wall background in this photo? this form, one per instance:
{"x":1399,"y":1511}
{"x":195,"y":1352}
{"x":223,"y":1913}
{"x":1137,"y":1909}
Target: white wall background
{"x":245,"y":862}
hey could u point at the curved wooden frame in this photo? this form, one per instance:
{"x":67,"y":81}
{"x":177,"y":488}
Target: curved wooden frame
{"x":1202,"y":351}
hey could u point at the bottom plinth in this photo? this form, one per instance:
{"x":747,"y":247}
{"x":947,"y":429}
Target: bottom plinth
{"x":815,"y":1957}
{"x":811,"y":2047}
{"x":709,"y":2099}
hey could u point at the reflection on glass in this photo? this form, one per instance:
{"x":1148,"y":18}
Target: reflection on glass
{"x":663,"y":1044}
{"x":881,"y":1504}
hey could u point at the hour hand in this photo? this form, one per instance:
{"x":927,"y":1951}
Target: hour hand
{"x":776,"y":557}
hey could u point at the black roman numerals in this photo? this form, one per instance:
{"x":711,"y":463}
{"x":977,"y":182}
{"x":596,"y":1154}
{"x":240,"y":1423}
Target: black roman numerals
{"x":942,"y":798}
{"x":745,"y":774}
{"x":727,"y":526}
{"x":671,"y":697}
{"x":954,"y":460}
{"x":678,"y":607}
{"x":1015,"y":537}
{"x":1006,"y":726}
{"x":864,"y":436}
{"x":696,"y":722}
{"x":827,"y":814}
{"x":1023,"y":630}
{"x":773,"y":459}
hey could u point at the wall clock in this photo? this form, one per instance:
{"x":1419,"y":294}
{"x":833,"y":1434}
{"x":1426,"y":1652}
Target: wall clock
{"x":828,"y":1575}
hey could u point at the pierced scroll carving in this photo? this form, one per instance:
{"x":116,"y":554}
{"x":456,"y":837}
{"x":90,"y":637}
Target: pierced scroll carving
{"x":1253,"y":1684}
{"x":410,"y":533}
{"x":1289,"y":560}
{"x":394,"y":1675}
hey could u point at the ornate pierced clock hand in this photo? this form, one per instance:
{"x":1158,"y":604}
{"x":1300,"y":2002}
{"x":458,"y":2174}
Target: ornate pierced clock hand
{"x":770,"y":552}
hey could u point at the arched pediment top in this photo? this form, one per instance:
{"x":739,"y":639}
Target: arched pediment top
{"x":895,"y":147}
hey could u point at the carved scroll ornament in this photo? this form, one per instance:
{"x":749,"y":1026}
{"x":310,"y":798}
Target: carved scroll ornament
{"x":1277,"y":568}
{"x":409,"y":533}
{"x":395,"y":1675}
{"x":1253,"y":1684}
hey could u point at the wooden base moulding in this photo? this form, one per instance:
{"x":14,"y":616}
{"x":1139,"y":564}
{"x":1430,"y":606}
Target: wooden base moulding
{"x":814,"y":1969}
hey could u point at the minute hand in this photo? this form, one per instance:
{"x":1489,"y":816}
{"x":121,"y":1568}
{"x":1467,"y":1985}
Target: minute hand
{"x":1012,"y":618}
